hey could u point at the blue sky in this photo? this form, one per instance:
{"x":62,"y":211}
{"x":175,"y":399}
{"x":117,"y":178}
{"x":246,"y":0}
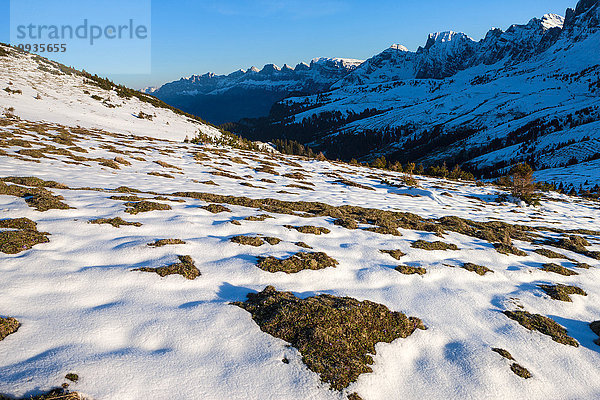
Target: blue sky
{"x":193,"y":37}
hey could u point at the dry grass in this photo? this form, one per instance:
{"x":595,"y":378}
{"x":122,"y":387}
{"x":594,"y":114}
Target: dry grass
{"x":36,"y":197}
{"x":521,"y":371}
{"x":8,"y":326}
{"x":117,"y":222}
{"x":185,"y":268}
{"x":543,"y":325}
{"x":216,"y":208}
{"x":407,"y":270}
{"x":562,"y":292}
{"x":422,"y":244}
{"x":335,"y":335}
{"x":165,"y":242}
{"x":145,"y":206}
{"x":507,"y":249}
{"x":397,"y":254}
{"x":297,"y":262}
{"x":558,"y":269}
{"x":309,"y":229}
{"x":478,"y":269}
{"x":549,"y":253}
{"x":22,"y":234}
{"x":503,"y":353}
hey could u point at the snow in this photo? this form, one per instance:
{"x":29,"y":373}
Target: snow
{"x":131,"y":335}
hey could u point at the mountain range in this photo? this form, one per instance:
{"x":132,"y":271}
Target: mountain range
{"x":529,"y":93}
{"x":252,"y":92}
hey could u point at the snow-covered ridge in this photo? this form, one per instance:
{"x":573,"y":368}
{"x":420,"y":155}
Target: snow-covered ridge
{"x":47,"y":91}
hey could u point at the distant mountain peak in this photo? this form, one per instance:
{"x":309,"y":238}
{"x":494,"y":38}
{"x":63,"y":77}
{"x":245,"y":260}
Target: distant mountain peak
{"x":398,"y":47}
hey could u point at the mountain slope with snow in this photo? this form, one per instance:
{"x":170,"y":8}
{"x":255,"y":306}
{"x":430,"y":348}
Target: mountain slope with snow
{"x":124,"y":254}
{"x":252,"y":92}
{"x":530,"y":93}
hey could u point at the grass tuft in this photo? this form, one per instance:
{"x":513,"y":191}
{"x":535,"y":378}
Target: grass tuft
{"x":558,"y":269}
{"x":562,"y":292}
{"x":21,"y":235}
{"x":297,"y":262}
{"x":407,"y":270}
{"x":185,"y":268}
{"x":422,"y":244}
{"x":397,"y":254}
{"x":117,"y":222}
{"x":543,"y":325}
{"x":145,"y":206}
{"x":520,"y":371}
{"x":216,"y":208}
{"x":165,"y":242}
{"x":478,"y":269}
{"x":8,"y":326}
{"x":504,"y":353}
{"x":308,"y":229}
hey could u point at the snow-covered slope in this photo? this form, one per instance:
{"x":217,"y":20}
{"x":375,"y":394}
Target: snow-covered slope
{"x":133,"y":335}
{"x":522,"y":94}
{"x":251,"y":92}
{"x":36,"y":89}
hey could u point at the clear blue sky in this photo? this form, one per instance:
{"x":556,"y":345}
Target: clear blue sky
{"x":194,"y":37}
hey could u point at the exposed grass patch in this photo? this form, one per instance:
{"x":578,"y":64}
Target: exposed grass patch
{"x":36,"y":197}
{"x":145,"y":206}
{"x":248,"y":240}
{"x":520,"y":371}
{"x":353,"y":184}
{"x":549,"y":253}
{"x":216,"y":208}
{"x":8,"y":326}
{"x":185,"y":268}
{"x":165,"y":242}
{"x":297,"y":262}
{"x":154,"y":173}
{"x":257,"y":218}
{"x":397,"y":254}
{"x":384,"y":230}
{"x":582,"y":265}
{"x":335,"y":335}
{"x":408,"y":270}
{"x":562,"y":292}
{"x":347,"y":223}
{"x":303,"y":245}
{"x":109,"y":163}
{"x":72,"y":377}
{"x":478,"y":269}
{"x":22,"y":234}
{"x":127,"y":198}
{"x":167,"y":165}
{"x":504,"y":353}
{"x":309,"y":229}
{"x":122,"y":161}
{"x":558,"y":269}
{"x":117,"y":222}
{"x":508,"y":249}
{"x":422,"y":244}
{"x":272,"y":240}
{"x":543,"y":325}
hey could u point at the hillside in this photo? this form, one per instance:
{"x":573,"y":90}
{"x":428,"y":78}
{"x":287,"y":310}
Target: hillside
{"x":251,"y":93}
{"x":136,"y":266}
{"x":529,"y":93}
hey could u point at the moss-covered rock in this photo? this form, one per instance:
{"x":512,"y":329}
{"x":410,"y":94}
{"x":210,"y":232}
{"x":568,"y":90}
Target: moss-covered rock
{"x":424,"y":245}
{"x":297,"y":262}
{"x":558,"y":269}
{"x":562,"y":292}
{"x":335,"y":335}
{"x":408,"y":270}
{"x":185,"y":268}
{"x":543,"y":325}
{"x":8,"y":326}
{"x":478,"y":269}
{"x":21,"y":234}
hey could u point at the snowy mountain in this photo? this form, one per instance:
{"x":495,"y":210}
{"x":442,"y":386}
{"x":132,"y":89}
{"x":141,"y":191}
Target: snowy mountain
{"x":134,"y":265}
{"x":37,"y":89}
{"x":528,"y":93}
{"x":251,"y":92}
